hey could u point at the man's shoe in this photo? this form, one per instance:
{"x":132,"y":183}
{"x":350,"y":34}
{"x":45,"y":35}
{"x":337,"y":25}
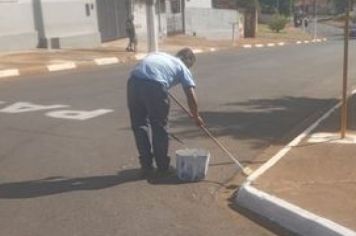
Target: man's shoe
{"x":170,"y":171}
{"x":147,"y":172}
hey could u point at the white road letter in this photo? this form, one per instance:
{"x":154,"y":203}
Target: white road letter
{"x":77,"y":115}
{"x":21,"y":107}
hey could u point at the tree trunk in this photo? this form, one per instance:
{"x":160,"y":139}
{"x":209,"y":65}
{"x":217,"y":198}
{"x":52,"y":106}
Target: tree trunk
{"x":250,"y":23}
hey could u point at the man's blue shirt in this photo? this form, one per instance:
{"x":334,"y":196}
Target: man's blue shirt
{"x":165,"y":69}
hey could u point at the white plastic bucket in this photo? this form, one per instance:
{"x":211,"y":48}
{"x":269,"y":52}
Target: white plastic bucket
{"x":192,"y":164}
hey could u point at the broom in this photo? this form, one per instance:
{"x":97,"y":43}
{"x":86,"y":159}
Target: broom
{"x":245,"y":170}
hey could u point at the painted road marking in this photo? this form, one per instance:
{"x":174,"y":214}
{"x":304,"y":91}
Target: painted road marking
{"x":106,"y":61}
{"x":271,"y":44}
{"x":259,"y":45}
{"x":196,"y":51}
{"x":9,"y":73}
{"x":247,"y":46}
{"x":306,"y":41}
{"x":23,"y":107}
{"x":299,"y":42}
{"x":332,"y":138}
{"x":77,"y":115}
{"x":212,"y":49}
{"x":271,"y":162}
{"x":62,"y":66}
{"x":281,"y":43}
{"x":318,"y":40}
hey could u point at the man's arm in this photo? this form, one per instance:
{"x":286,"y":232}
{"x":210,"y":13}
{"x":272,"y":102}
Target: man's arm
{"x":193,"y":105}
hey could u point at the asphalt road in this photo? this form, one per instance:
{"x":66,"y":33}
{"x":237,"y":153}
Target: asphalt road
{"x":68,"y":163}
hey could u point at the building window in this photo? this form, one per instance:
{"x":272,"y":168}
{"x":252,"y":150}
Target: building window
{"x":161,"y":6}
{"x":175,"y":6}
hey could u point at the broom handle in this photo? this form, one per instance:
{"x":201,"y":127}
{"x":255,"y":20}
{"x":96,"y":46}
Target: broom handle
{"x":208,"y":133}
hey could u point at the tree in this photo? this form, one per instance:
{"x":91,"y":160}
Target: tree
{"x":250,"y":14}
{"x":278,"y":23}
{"x":283,"y":7}
{"x":341,"y":5}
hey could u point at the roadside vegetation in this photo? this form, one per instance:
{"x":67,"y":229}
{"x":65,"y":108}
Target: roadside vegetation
{"x":278,"y":23}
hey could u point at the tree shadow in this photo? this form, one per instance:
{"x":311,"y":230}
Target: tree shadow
{"x":260,"y":120}
{"x":56,"y":185}
{"x":174,"y":180}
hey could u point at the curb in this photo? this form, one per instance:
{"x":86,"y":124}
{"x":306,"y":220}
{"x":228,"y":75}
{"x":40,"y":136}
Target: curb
{"x":104,"y":61}
{"x":281,"y":212}
{"x":299,"y":42}
{"x":289,"y":216}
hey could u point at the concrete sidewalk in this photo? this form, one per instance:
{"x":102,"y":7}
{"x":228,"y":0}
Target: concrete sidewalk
{"x":309,"y":186}
{"x":42,"y":60}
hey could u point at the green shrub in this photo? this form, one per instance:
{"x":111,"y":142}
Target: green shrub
{"x":278,"y":23}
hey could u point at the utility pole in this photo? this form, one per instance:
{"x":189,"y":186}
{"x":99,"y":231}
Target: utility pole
{"x":315,"y":20}
{"x":344,"y":113}
{"x":152,"y":39}
{"x":277,"y":6}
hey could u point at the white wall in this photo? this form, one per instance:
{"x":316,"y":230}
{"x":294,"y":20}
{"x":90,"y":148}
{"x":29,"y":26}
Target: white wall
{"x":17,"y":29}
{"x":67,"y":21}
{"x":68,"y":17}
{"x":140,"y":21}
{"x":211,"y":23}
{"x":198,"y":3}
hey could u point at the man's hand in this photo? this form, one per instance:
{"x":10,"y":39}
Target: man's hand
{"x":192,"y":102}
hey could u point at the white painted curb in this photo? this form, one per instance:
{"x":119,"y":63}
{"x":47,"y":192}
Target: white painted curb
{"x":62,"y":66}
{"x":106,"y":61}
{"x":9,"y":73}
{"x":293,"y":218}
{"x":140,"y":56}
{"x":196,"y":51}
{"x":281,"y":212}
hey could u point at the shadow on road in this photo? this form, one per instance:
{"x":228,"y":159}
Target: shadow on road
{"x":56,"y":185}
{"x":260,"y":120}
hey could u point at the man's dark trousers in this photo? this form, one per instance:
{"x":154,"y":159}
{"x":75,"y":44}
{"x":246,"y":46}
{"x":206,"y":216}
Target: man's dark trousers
{"x":148,"y":103}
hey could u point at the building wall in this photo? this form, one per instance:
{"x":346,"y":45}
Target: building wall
{"x":175,"y":11}
{"x":17,"y":30}
{"x":139,"y":12}
{"x":211,"y":23}
{"x":224,"y":4}
{"x":198,"y":3}
{"x":70,"y":23}
{"x":27,"y":24}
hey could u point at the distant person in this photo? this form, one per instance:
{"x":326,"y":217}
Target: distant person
{"x":149,"y":104}
{"x":131,"y":33}
{"x":306,"y":22}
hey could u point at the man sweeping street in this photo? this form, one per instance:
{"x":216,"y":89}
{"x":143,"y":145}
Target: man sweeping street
{"x":148,"y":102}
